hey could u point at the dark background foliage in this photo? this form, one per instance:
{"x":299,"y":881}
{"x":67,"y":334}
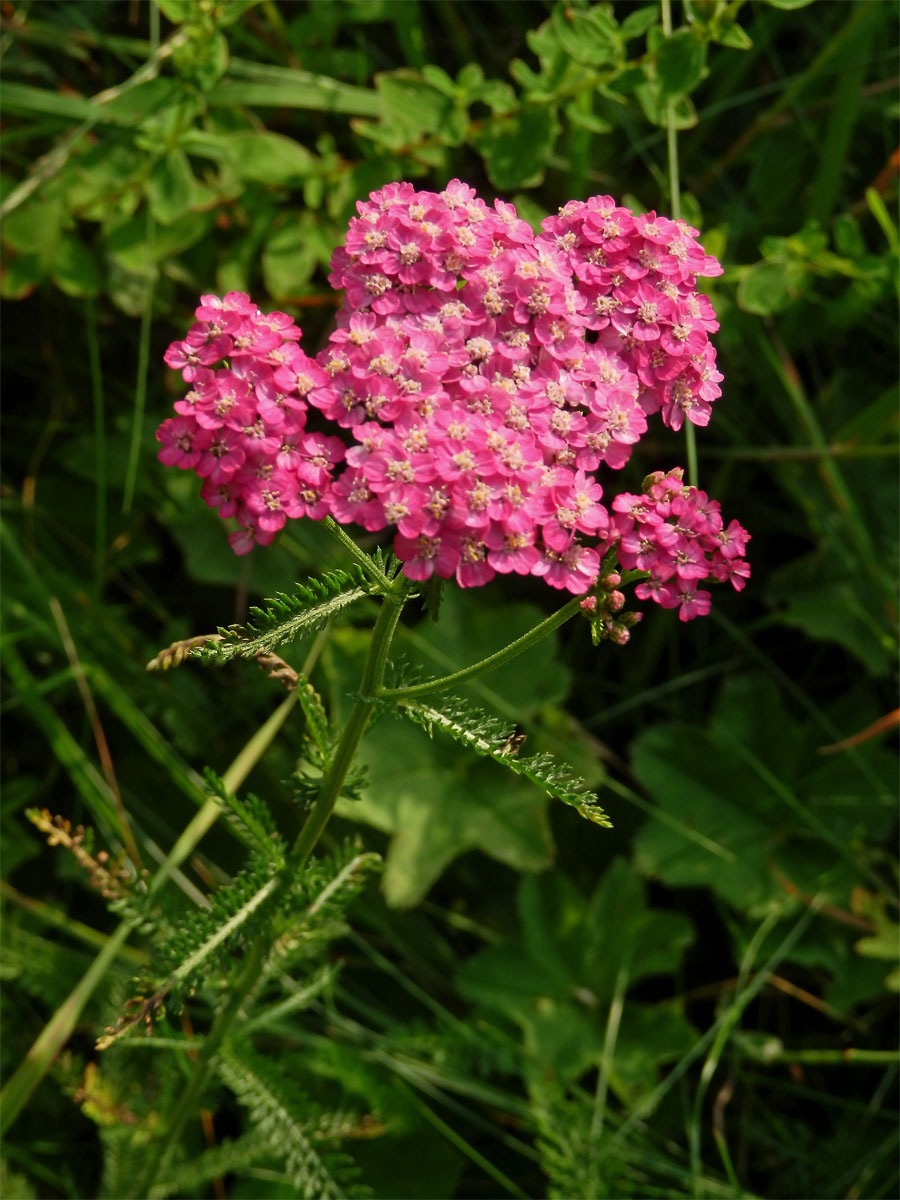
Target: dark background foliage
{"x":700,"y":1001}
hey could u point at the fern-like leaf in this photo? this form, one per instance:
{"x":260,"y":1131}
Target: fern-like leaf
{"x":204,"y":935}
{"x":321,"y":896}
{"x":252,"y":818}
{"x":195,"y":949}
{"x":308,"y":607}
{"x":191,"y":1178}
{"x":299,"y":1137}
{"x":489,"y":737}
{"x":316,"y":718}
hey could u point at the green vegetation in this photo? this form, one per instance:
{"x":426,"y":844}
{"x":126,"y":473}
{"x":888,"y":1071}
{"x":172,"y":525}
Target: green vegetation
{"x":467,"y":990}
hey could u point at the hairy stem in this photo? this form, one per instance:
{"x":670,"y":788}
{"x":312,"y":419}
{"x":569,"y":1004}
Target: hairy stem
{"x":359,"y":556}
{"x":369,"y":687}
{"x":332,"y":784}
{"x":525,"y":642}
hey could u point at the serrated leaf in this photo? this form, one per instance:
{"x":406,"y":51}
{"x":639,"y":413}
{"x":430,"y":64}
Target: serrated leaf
{"x":292,"y":1126}
{"x":438,"y":804}
{"x":490,"y":738}
{"x":307,"y":608}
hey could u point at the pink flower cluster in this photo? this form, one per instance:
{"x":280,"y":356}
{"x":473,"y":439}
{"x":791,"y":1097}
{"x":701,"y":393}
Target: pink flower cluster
{"x":676,"y":533}
{"x":479,"y":375}
{"x":242,"y":427}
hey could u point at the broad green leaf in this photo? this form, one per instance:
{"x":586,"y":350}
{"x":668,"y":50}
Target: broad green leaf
{"x":497,"y":95}
{"x":557,"y":978}
{"x":650,"y":1036}
{"x":177,"y":11}
{"x":410,"y":103}
{"x":20,"y":275}
{"x":290,"y":257}
{"x":203,"y":58}
{"x":720,"y":837}
{"x":825,"y":604}
{"x":94,"y":178}
{"x":590,"y":36}
{"x":438,"y":804}
{"x":751,"y":708}
{"x":438,"y":78}
{"x":234,"y":11}
{"x":788,"y":3}
{"x":731,"y":34}
{"x":35,"y":227}
{"x":764,"y":289}
{"x":680,"y":63}
{"x":638,"y":21}
{"x":170,"y":187}
{"x":516,"y":150}
{"x":75,"y":270}
{"x":585,"y":119}
{"x":129,"y":247}
{"x":848,"y":237}
{"x":137,"y":104}
{"x":828,"y":947}
{"x":270,"y":158}
{"x":656,"y":109}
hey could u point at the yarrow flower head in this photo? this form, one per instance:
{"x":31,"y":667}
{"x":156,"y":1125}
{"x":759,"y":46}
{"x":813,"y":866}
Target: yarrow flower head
{"x":478,"y":379}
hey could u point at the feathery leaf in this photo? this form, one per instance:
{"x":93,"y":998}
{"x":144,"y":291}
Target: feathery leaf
{"x":291,"y":1127}
{"x":489,"y":737}
{"x":253,"y":819}
{"x":308,"y":607}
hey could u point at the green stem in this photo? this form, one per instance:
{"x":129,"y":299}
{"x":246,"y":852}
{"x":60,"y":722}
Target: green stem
{"x":191,"y":1095}
{"x":332,"y":784}
{"x":359,"y":556}
{"x":140,"y":391}
{"x":99,"y":449}
{"x":491,"y":662}
{"x":823,"y":1057}
{"x":690,"y":438}
{"x":370,"y":686}
{"x":57,"y":1031}
{"x":18,"y":1089}
{"x":48,"y":915}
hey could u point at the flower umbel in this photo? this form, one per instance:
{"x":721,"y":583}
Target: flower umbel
{"x":478,"y":379}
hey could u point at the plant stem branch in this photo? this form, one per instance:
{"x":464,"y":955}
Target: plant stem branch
{"x":525,"y":642}
{"x":315,"y":823}
{"x":359,"y":556}
{"x":369,"y":687}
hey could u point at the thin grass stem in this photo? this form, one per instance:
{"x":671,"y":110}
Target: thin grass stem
{"x":99,"y":449}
